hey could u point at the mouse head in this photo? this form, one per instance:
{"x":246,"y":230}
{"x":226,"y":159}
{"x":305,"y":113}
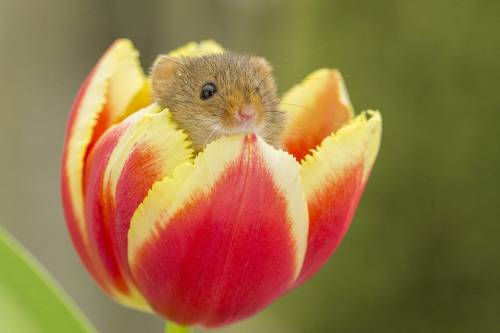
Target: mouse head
{"x":218,"y":94}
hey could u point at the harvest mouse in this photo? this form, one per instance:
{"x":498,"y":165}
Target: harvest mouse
{"x":219,"y":94}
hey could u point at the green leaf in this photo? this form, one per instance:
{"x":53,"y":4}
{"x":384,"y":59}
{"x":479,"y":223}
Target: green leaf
{"x":30,"y":299}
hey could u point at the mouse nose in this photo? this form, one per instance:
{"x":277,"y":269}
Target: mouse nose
{"x":246,"y":112}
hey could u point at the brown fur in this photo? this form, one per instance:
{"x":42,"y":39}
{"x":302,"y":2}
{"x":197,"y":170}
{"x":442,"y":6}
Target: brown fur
{"x":177,"y":84}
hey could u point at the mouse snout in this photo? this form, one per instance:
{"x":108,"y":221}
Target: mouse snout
{"x":246,"y":113}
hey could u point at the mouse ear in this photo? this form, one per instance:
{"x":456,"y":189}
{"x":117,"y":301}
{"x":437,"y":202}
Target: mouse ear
{"x":165,"y":65}
{"x":263,"y":66}
{"x":162,"y":73}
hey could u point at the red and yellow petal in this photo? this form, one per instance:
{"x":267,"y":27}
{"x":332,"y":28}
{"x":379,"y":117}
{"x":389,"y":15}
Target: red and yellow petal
{"x":124,"y":164}
{"x":333,"y":178}
{"x":316,"y":108}
{"x":113,"y":84}
{"x":224,"y":236}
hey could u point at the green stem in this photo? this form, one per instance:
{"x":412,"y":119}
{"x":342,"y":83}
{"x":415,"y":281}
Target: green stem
{"x":171,"y":327}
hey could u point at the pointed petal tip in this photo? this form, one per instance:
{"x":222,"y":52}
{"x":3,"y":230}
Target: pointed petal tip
{"x":316,"y":107}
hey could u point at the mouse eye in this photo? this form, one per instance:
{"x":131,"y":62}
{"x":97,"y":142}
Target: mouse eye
{"x":208,"y":90}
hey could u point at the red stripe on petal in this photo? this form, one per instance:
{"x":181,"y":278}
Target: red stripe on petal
{"x":331,"y":211}
{"x":102,"y":123}
{"x":226,"y":254}
{"x":100,"y":207}
{"x":138,"y":175}
{"x":77,"y":238}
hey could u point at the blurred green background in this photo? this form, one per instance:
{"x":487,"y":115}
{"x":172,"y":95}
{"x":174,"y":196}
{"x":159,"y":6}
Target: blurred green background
{"x":423,"y":253}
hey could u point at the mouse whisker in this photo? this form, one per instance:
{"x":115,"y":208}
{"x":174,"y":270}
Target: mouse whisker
{"x":215,"y":128}
{"x":298,"y":106}
{"x":268,"y":93}
{"x":274,"y":111}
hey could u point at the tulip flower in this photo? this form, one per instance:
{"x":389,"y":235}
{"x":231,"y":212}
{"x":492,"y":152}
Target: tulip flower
{"x":212,"y":238}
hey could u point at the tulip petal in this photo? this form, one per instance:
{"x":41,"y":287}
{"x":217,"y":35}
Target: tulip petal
{"x":333,"y":178}
{"x":316,"y":108}
{"x":124,"y":164}
{"x":113,"y":85}
{"x":194,"y":49}
{"x":224,"y":236}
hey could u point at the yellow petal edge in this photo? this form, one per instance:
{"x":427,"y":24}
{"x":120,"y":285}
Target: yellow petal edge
{"x":195,"y":49}
{"x":358,"y":141}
